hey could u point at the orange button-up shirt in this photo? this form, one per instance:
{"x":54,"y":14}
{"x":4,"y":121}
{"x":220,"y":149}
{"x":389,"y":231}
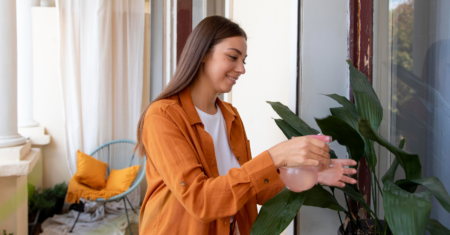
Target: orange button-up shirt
{"x":186,"y":194}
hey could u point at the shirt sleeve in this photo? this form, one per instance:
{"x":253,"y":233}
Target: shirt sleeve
{"x":207,"y":199}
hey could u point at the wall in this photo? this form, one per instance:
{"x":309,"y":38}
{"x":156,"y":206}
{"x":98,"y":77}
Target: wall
{"x":267,"y":69}
{"x":323,"y":71}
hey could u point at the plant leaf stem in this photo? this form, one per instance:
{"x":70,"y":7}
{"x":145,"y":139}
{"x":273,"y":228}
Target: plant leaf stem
{"x":339,"y":214}
{"x":350,"y":213}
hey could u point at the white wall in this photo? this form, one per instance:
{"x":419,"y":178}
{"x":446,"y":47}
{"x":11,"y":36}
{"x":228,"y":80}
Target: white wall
{"x":267,"y":69}
{"x":323,"y":71}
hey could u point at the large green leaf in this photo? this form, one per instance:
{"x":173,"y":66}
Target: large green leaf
{"x":277,"y":213}
{"x":346,"y":116}
{"x":367,"y":104}
{"x":406,"y":213}
{"x":293,"y":120}
{"x":390,"y":174}
{"x":371,"y":156}
{"x":317,"y":196}
{"x":407,"y":185}
{"x":344,"y":134}
{"x":437,"y":189}
{"x":345,"y":103}
{"x":410,"y":162}
{"x":436,"y":228}
{"x":287,"y":130}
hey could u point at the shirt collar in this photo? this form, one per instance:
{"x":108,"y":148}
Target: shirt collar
{"x":189,"y":108}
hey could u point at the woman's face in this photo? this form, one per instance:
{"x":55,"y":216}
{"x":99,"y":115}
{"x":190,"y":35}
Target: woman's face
{"x":225,"y":63}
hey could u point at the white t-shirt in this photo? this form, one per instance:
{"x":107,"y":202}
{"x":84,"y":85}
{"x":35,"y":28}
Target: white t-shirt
{"x":216,"y":127}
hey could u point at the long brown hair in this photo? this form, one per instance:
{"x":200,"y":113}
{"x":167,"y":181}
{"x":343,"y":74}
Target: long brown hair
{"x":209,"y":32}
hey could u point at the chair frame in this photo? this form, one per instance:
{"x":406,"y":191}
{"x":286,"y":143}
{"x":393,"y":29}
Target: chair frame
{"x":122,"y":196}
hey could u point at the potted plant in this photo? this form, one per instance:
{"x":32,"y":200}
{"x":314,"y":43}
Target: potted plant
{"x":57,"y":194}
{"x":44,"y":203}
{"x":355,"y":126}
{"x":4,"y":233}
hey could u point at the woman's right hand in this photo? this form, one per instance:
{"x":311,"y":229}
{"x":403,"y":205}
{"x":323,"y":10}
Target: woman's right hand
{"x":300,"y":151}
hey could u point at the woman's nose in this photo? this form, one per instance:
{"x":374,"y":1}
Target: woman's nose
{"x":240,"y":68}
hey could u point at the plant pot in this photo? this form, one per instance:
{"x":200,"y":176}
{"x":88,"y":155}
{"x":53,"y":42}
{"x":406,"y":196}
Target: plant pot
{"x":32,"y":222}
{"x":364,"y":224}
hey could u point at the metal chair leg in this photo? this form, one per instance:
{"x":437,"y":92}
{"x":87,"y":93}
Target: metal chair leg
{"x":79,"y":212}
{"x":126,"y":212}
{"x":130,"y":204}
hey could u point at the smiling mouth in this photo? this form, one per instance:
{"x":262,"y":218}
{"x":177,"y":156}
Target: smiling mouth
{"x":231,"y":78}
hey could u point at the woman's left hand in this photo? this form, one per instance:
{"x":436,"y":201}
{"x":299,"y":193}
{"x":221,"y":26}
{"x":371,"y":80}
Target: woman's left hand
{"x":336,"y":176}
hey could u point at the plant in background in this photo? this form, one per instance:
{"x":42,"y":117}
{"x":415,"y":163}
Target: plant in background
{"x":48,"y":200}
{"x":39,"y":199}
{"x":355,"y":126}
{"x":4,"y":233}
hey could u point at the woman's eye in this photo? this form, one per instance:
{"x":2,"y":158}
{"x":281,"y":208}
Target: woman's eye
{"x":244,"y":62}
{"x":233,"y":57}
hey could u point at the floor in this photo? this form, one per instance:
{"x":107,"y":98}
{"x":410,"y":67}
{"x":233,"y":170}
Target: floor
{"x":134,"y":229}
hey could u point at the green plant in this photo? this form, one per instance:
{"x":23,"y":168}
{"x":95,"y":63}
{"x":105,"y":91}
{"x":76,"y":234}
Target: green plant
{"x":4,"y":233}
{"x":45,"y":199}
{"x":355,"y":126}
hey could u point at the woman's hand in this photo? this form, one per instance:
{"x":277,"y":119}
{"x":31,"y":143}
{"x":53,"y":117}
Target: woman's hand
{"x":300,"y":151}
{"x":336,"y":176}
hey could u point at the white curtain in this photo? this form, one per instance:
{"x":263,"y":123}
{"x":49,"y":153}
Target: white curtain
{"x":101,"y":55}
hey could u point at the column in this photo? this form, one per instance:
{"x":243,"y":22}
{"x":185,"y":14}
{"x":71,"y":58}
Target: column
{"x":24,"y":65}
{"x":9,"y":135}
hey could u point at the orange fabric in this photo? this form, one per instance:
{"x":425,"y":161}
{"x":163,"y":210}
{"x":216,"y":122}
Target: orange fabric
{"x":77,"y":190}
{"x":90,"y":171}
{"x":121,"y":180}
{"x":185,"y":193}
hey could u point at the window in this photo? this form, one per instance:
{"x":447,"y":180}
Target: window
{"x":414,"y":73}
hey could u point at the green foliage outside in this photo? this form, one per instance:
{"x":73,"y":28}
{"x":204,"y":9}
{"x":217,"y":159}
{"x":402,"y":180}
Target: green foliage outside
{"x":403,"y":25}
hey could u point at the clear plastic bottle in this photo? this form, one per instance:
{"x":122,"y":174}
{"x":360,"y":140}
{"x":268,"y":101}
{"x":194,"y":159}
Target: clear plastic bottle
{"x":298,"y":179}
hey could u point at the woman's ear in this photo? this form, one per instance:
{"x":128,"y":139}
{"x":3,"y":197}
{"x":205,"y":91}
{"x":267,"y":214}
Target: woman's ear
{"x":205,"y":58}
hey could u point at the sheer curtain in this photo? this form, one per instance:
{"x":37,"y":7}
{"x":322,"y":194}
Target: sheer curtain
{"x":101,"y":45}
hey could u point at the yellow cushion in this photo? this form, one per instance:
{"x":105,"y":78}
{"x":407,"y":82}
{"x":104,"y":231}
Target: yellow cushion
{"x":77,"y":190}
{"x":120,"y":180}
{"x":90,"y":171}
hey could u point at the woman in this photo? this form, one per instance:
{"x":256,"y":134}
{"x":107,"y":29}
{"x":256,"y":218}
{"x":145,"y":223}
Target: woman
{"x":200,"y":173}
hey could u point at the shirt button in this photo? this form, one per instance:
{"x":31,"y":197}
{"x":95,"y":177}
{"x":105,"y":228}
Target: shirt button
{"x":212,"y":162}
{"x":266,"y":181}
{"x":225,"y":223}
{"x":183,"y":183}
{"x":239,"y":158}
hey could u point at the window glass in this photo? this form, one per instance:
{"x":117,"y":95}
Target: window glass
{"x":420,"y":113}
